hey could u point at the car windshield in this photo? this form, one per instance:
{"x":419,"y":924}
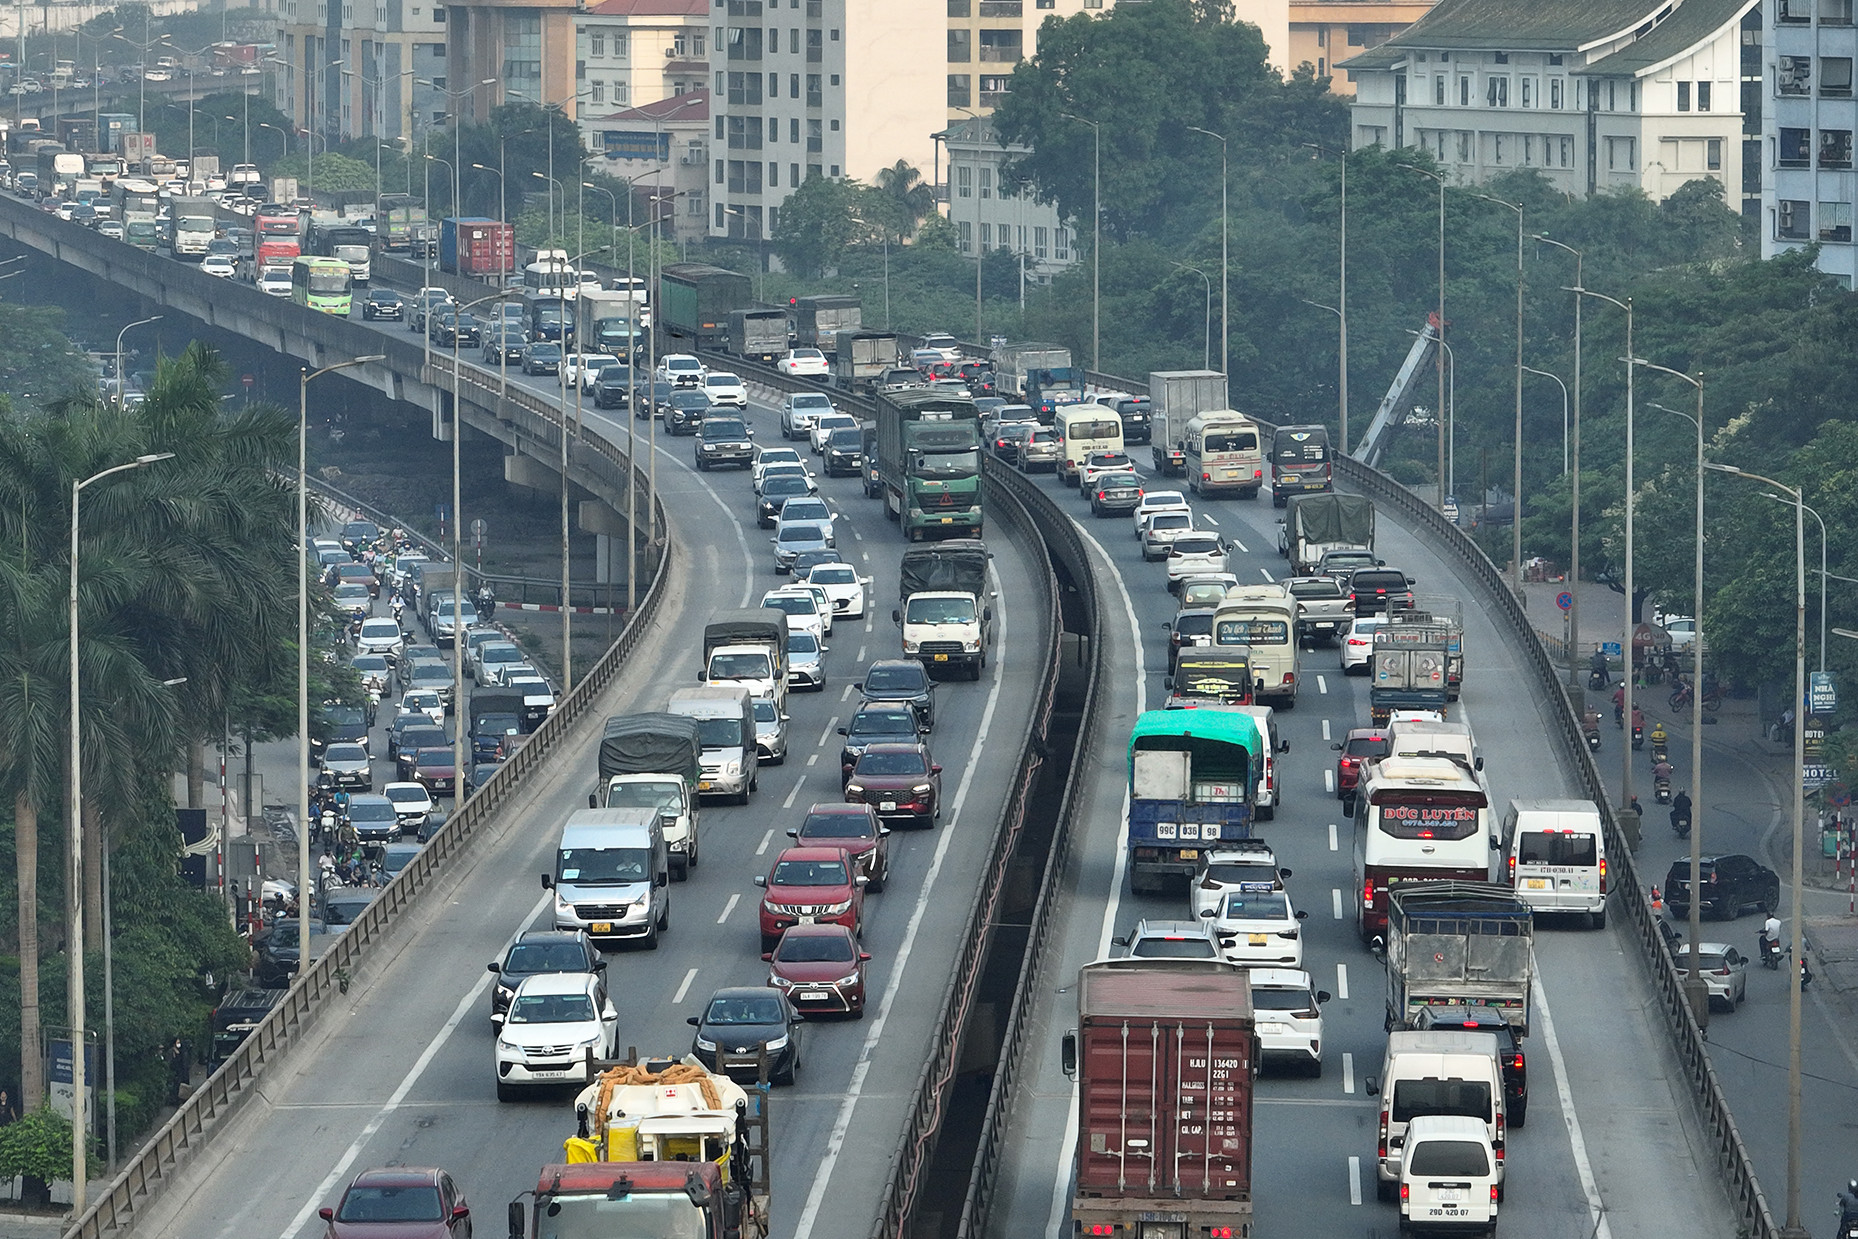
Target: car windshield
{"x":434,"y":758}
{"x":1282,"y":1000}
{"x":802,"y":643}
{"x":805,"y":531}
{"x":431,"y":673}
{"x":653,"y":795}
{"x":423,"y":738}
{"x":545,"y":352}
{"x":417,"y":1203}
{"x":948,"y":464}
{"x":724,"y":428}
{"x":380,"y":628}
{"x":836,"y":826}
{"x":747,"y":1009}
{"x":603,"y":866}
{"x":783,"y":483}
{"x":1467,"y":1098}
{"x":720,"y":733}
{"x":940,"y":611}
{"x":806,"y":510}
{"x":1321,"y":587}
{"x":343,"y":910}
{"x":1171,"y":520}
{"x":808,"y":873}
{"x":1109,"y":460}
{"x":807,"y":400}
{"x":1256,"y":906}
{"x":777,"y":456}
{"x":546,"y":957}
{"x":882,"y":722}
{"x":793,"y":604}
{"x":407,"y":795}
{"x":807,"y":354}
{"x":815,"y":949}
{"x":745,"y":666}
{"x":845,"y":437}
{"x":344,"y":716}
{"x":1369,"y":746}
{"x":890,"y":763}
{"x":551,"y":1009}
{"x":346,"y":753}
{"x":1230,"y":872}
{"x":1173,"y":948}
{"x":897,"y":678}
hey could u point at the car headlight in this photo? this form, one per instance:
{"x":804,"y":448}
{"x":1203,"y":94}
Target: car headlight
{"x":853,"y":979}
{"x":769,"y":906}
{"x":705,"y":1045}
{"x":562,"y":906}
{"x":589,"y":1043}
{"x":910,"y":647}
{"x":921,"y":789}
{"x":732,"y":769}
{"x":780,"y":982}
{"x":853,"y":789}
{"x":506,"y":991}
{"x":509,"y":1045}
{"x":836,"y":909}
{"x":777,"y":1045}
{"x":971,"y":647}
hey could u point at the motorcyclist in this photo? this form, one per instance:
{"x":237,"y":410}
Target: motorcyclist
{"x":1590,"y":720}
{"x":1619,"y":704}
{"x":1662,"y":771}
{"x":1659,"y":737}
{"x":1848,"y":1204}
{"x":1638,"y":719}
{"x":1598,"y":666}
{"x":1680,"y":809}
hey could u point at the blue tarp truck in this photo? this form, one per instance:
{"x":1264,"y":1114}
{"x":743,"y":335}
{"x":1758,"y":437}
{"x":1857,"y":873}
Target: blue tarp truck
{"x":1193,"y":779}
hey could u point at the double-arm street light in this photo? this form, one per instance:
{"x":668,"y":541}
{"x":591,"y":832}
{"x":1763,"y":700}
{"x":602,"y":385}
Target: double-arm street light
{"x":452,"y":99}
{"x":1516,"y":498}
{"x":1694,"y":987}
{"x":1793,"y":1225}
{"x":1225,"y":304}
{"x":1574,"y":506}
{"x":74,"y":878}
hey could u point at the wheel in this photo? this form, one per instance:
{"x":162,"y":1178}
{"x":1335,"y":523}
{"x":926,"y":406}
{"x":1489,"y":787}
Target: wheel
{"x":680,"y":868}
{"x":1384,"y":1191}
{"x":505,"y":1092}
{"x":1348,"y":809}
{"x":1519,"y":1114}
{"x":693,"y":849}
{"x":1597,"y":920}
{"x":1266,"y":812}
{"x":880,"y":881}
{"x":1278,"y":501}
{"x":787,"y":1077}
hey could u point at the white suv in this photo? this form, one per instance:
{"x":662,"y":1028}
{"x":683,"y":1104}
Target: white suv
{"x":554,"y":1023}
{"x":681,"y":370}
{"x":1288,"y":1010}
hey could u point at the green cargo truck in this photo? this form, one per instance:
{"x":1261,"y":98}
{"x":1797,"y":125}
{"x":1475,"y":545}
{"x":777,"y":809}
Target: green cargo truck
{"x":929,"y":462}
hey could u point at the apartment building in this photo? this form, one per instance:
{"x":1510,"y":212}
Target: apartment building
{"x":1325,"y":31}
{"x":978,"y":206}
{"x":1594,"y":94}
{"x":525,"y":49}
{"x":1806,"y":142}
{"x":358,"y":65}
{"x":662,"y":151}
{"x":636,"y":52}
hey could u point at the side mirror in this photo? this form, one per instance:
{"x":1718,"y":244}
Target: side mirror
{"x":987,"y":613}
{"x":864,"y":957}
{"x":766,"y":956}
{"x":1377,"y":947}
{"x":761,"y":879}
{"x":1371,"y":1086}
{"x":326,"y":1213}
{"x":663,"y":879}
{"x":1336,"y":746}
{"x":883,"y":832}
{"x":1495,"y":843}
{"x":896,"y":616}
{"x":1303,"y":916}
{"x":693,"y":1021}
{"x":494,"y":967}
{"x":1119,"y":941}
{"x":1411,"y":581}
{"x":599,"y":965}
{"x":857,"y":688}
{"x":702,"y":674}
{"x":861,"y":880}
{"x":1167,"y":682}
{"x":1283,"y":746}
{"x":841,"y":730}
{"x":1479,"y":763}
{"x":1209,"y":912}
{"x":1067,"y":1054}
{"x":935,"y":768}
{"x":1322,"y":996}
{"x":460,"y":1212}
{"x":1288,"y":873}
{"x":793,"y":832}
{"x":593,"y":800}
{"x":548,"y":882}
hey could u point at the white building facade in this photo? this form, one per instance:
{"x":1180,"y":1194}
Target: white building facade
{"x":1044,"y":242}
{"x":1808,"y":189}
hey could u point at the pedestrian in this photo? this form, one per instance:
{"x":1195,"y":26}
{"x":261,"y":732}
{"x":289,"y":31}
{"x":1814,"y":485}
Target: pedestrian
{"x":8,"y":1113}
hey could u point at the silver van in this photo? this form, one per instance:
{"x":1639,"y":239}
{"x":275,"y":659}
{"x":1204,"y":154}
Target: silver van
{"x":1270,"y":779}
{"x":612,"y":876}
{"x":1555,"y":856}
{"x":725,"y":715}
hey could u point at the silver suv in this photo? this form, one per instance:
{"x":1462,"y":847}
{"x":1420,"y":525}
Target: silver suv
{"x":1040,"y":450}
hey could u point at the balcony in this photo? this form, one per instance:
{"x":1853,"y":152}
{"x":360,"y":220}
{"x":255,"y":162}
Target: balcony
{"x":1002,"y":8}
{"x":998,"y":55}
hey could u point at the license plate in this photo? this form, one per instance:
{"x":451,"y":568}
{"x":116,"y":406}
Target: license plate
{"x":887,"y":806}
{"x":941,"y":658}
{"x":1255,"y":939}
{"x":546,"y":1075}
{"x":813,"y":997}
{"x":1536,"y":884}
{"x":1190,"y":853}
{"x":806,"y":918}
{"x":703,"y":787}
{"x":1451,"y":1196}
{"x":948,"y":520}
{"x":600,"y":927}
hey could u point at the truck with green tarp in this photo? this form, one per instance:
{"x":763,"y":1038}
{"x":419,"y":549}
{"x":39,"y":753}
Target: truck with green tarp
{"x":1316,"y":524}
{"x":1193,"y":780}
{"x":929,"y":462}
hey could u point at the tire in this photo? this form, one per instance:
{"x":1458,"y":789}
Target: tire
{"x":694,"y":858}
{"x":1385,"y":1192}
{"x":787,"y":1077}
{"x":1315,"y":1071}
{"x":1267,"y":812}
{"x":880,"y":881}
{"x":505,"y":1092}
{"x":1597,"y":920}
{"x":664,"y":918}
{"x":1519,"y":1117}
{"x":1348,"y":808}
{"x":680,"y":868}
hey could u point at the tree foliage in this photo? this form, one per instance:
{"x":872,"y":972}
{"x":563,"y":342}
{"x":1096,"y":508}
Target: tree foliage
{"x":818,"y":222}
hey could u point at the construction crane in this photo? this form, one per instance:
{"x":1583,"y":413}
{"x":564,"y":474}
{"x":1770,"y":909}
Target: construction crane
{"x":1373,"y":446}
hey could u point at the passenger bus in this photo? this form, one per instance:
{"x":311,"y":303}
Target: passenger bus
{"x":325,"y":284}
{"x":1417,"y":819}
{"x":1264,"y":619}
{"x":1221,"y":453}
{"x":551,"y":275}
{"x":1301,"y":463}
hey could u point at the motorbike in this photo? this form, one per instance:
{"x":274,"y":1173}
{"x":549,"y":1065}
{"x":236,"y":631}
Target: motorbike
{"x":1638,"y":736}
{"x":1661,"y":752}
{"x":1680,"y":696}
{"x":1680,"y":823}
{"x":1661,"y":791}
{"x":1596,"y":679}
{"x":1770,"y":952}
{"x":1713,"y":698}
{"x":1593,"y":737}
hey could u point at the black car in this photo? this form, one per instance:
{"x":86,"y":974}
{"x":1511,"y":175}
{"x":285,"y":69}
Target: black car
{"x":278,"y":951}
{"x":1510,"y":1055}
{"x":901,"y":681}
{"x":776,"y":491}
{"x":656,"y":402}
{"x":685,"y":409}
{"x":336,"y":723}
{"x":724,"y":441}
{"x":374,"y":817}
{"x":844,"y":454}
{"x":613,"y":387}
{"x":878,"y":723}
{"x":493,"y":735}
{"x":1372,"y":591}
{"x":341,"y":905}
{"x":503,"y":345}
{"x":478,"y":775}
{"x":542,"y":357}
{"x":1136,"y":414}
{"x":383,"y":303}
{"x":1731,"y":885}
{"x":540,"y":952}
{"x":453,"y":327}
{"x":1190,"y":626}
{"x":738,"y":1023}
{"x":412,"y":740}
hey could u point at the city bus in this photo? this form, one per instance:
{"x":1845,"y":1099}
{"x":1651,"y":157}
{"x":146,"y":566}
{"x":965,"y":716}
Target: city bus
{"x":1222,"y":454}
{"x":325,"y":284}
{"x":1417,"y":819}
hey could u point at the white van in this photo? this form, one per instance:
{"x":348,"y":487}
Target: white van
{"x":1083,"y":429}
{"x":1556,"y":856}
{"x":1450,"y":1180}
{"x":1270,"y":782}
{"x":1263,"y":617}
{"x":1437,"y":1072}
{"x":725,"y":715}
{"x":612,"y":876}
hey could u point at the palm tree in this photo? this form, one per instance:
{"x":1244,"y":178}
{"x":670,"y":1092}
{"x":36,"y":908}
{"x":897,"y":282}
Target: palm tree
{"x":906,"y":198}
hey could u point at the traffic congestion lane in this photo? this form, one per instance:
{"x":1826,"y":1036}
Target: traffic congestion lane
{"x":1316,"y":1138}
{"x":410,"y":1078}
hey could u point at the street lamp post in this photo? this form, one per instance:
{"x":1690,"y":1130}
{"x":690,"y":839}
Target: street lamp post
{"x":1225,"y":305}
{"x":122,"y":385}
{"x":1793,"y":1228}
{"x":1096,"y":244}
{"x":503,"y":210}
{"x":1206,"y":333}
{"x":452,"y":98}
{"x":1440,"y":178}
{"x":1516,"y":496}
{"x":309,"y":113}
{"x":283,"y":150}
{"x":193,"y":58}
{"x":305,"y":874}
{"x":1694,"y":987}
{"x":1574,"y":546}
{"x":1625,"y":783}
{"x":554,"y":187}
{"x":980,"y":252}
{"x":1823,"y":575}
{"x":1341,"y":306}
{"x":459,"y":699}
{"x":74,"y":881}
{"x":1564,"y":411}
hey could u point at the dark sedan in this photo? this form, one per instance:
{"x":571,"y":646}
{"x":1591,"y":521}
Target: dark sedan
{"x":820,"y":969}
{"x":412,"y":740}
{"x":383,"y":303}
{"x":537,"y":952}
{"x":876,"y":723}
{"x":899,"y":781}
{"x":613,"y":388}
{"x":542,"y":357}
{"x":685,"y":410}
{"x":901,"y":680}
{"x":277,"y":949}
{"x":1115,"y":492}
{"x":455,"y":328}
{"x":776,"y":491}
{"x":844,"y":454}
{"x":741,"y":1021}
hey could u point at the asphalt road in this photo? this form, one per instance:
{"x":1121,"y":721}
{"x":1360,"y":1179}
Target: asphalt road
{"x":1609,"y":1142}
{"x":403,"y":1072}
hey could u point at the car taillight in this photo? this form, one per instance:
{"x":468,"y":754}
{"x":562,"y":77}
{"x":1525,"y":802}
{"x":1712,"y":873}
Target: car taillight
{"x":1405,"y":1193}
{"x":1383,"y":1135}
{"x":1497,"y":1144}
{"x":1367,"y":893}
{"x":1516,"y":1062}
{"x":1512,"y":871}
{"x":1493,"y":1193}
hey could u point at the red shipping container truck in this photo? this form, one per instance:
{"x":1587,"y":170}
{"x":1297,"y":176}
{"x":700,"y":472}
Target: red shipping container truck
{"x":477,"y":247}
{"x":1165,"y":1053}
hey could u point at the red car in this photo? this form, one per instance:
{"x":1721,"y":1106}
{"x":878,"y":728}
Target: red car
{"x":855,"y":828}
{"x":1363,"y":745}
{"x":811,"y":886}
{"x":436,"y":770}
{"x":898,"y":780}
{"x":820,"y":969}
{"x":402,"y":1202}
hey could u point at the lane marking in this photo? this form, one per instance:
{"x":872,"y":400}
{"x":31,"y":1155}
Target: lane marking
{"x":846,"y":695}
{"x":1266,"y":574}
{"x":684,"y":988}
{"x":824,"y":736}
{"x":768,"y":838}
{"x":1596,"y":1208}
{"x":1329,"y":779}
{"x":1354,"y":1180}
{"x":1341,"y":980}
{"x":1335,"y":897}
{"x":729,"y":907}
{"x":339,"y":1171}
{"x":861,"y":653}
{"x":1209,"y":520}
{"x":748,"y":585}
{"x":1242,"y":547}
{"x":835,"y":1142}
{"x":1332,"y":839}
{"x":812,"y":760}
{"x":1322,"y":686}
{"x":1325,"y":721}
{"x":1348,"y":1073}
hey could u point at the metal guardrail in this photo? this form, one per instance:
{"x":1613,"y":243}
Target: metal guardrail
{"x":203,"y":1115}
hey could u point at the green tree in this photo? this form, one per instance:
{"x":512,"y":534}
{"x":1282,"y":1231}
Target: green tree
{"x":818,"y":221}
{"x":900,"y":200}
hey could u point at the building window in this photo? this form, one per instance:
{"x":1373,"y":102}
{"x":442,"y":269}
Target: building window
{"x":960,"y":50}
{"x":815,"y":136}
{"x":1061,"y":244}
{"x":1795,"y":148}
{"x":964,"y":181}
{"x":1464,"y":92}
{"x":1497,"y":92}
{"x":1835,"y":77}
{"x":596,"y":45}
{"x":1835,"y":12}
{"x":994,"y":89}
{"x":793,"y":134}
{"x":438,"y":14}
{"x":1835,"y":148}
{"x":1835,"y":221}
{"x":774,"y":176}
{"x":1496,"y":147}
{"x":1554,"y":93}
{"x":774,"y":130}
{"x":1612,"y":96}
{"x":1438,"y":89}
{"x":1503,"y":58}
{"x":1793,"y":75}
{"x":958,"y":8}
{"x":793,"y":174}
{"x":987,"y":182}
{"x":596,"y":92}
{"x":960,"y":94}
{"x":1528,"y":149}
{"x":1567,"y":152}
{"x":1683,"y":96}
{"x":1464,"y":146}
{"x":815,"y":51}
{"x":1713,"y":154}
{"x":719,"y":176}
{"x":1038,"y":243}
{"x":1528,"y":89}
{"x":987,"y":236}
{"x":1554,"y":58}
{"x":1620,"y":154}
{"x":965,"y":229}
{"x":1790,"y":220}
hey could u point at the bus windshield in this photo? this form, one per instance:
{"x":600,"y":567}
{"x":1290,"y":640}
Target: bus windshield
{"x":329,"y":280}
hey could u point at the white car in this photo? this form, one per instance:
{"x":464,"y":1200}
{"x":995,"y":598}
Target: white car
{"x":843,"y":586}
{"x":725,"y":388}
{"x":413,"y":804}
{"x":803,"y":363}
{"x":221,"y":265}
{"x":1245,"y":865}
{"x":381,"y":636}
{"x":785,"y":468}
{"x":1357,"y":644}
{"x":110,"y":228}
{"x":1159,"y":529}
{"x":555,"y":1022}
{"x":825,"y":601}
{"x":943,"y":343}
{"x":799,"y":410}
{"x":825,"y":424}
{"x":681,"y":370}
{"x":1169,"y":940}
{"x":1194,"y":552}
{"x":808,"y":508}
{"x":584,"y":368}
{"x":1258,"y":929}
{"x":274,"y":281}
{"x":490,"y":659}
{"x":424,"y":701}
{"x":1157,"y":501}
{"x":765,"y":456}
{"x":802,"y":607}
{"x":1289,"y":1015}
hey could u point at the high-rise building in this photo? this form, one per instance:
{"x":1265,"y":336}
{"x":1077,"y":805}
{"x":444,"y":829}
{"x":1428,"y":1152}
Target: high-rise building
{"x":1809,"y":115}
{"x":636,"y":52}
{"x":353,"y":69}
{"x":1325,"y":31}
